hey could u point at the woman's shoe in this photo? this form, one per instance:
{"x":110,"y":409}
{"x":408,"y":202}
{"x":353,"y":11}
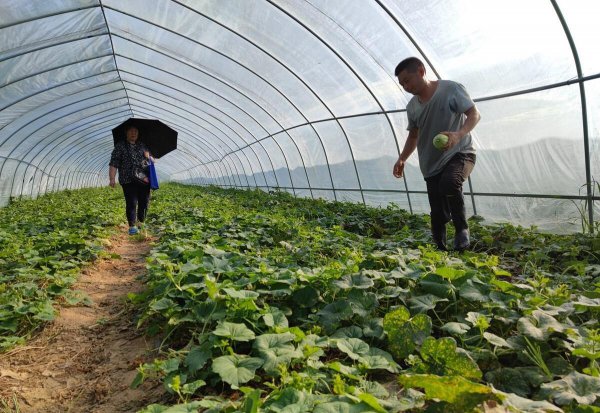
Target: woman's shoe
{"x":133,"y":231}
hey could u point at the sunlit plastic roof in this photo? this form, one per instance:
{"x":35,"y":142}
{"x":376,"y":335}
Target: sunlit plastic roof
{"x":301,"y":95}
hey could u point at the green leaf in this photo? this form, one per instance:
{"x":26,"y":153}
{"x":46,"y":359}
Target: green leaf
{"x":306,"y":296}
{"x":436,"y":285}
{"x":353,"y":347}
{"x":363,"y":303}
{"x":197,"y":358}
{"x":576,"y":387}
{"x":275,"y":318}
{"x":241,"y":294}
{"x":44,"y":311}
{"x":474,"y":292}
{"x":521,"y":404}
{"x":348,"y":332}
{"x":372,"y":402}
{"x":519,"y":380}
{"x":585,"y":302}
{"x":378,"y":359}
{"x":191,"y":407}
{"x":333,"y":313}
{"x":450,"y":273}
{"x":234,"y":331}
{"x":236,"y":369}
{"x":495,"y":340}
{"x":456,"y":329}
{"x":190,"y":388}
{"x":539,"y":325}
{"x":424,"y":303}
{"x":586,"y":409}
{"x":291,"y":400}
{"x":443,"y":358}
{"x":162,"y":304}
{"x":275,"y":350}
{"x":359,"y":281}
{"x":169,"y":365}
{"x":462,"y":393}
{"x":342,"y":407}
{"x":252,"y":401}
{"x":404,"y":334}
{"x":373,"y":327}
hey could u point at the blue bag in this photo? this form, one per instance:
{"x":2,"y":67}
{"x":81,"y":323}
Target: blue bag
{"x":153,"y":176}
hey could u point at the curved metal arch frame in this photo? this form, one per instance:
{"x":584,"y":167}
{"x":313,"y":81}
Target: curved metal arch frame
{"x":97,"y":132}
{"x":6,"y":158}
{"x":53,"y":176}
{"x":586,"y":137}
{"x":237,"y":63}
{"x":44,"y":16}
{"x":53,"y":120}
{"x":238,"y":91}
{"x":80,"y":159}
{"x":235,"y":166}
{"x":217,"y":109}
{"x":58,"y":67}
{"x":316,"y":95}
{"x":84,"y":36}
{"x":62,"y":107}
{"x":98,"y":129}
{"x":55,"y":152}
{"x":40,"y":91}
{"x":219,"y":120}
{"x":100,"y":165}
{"x":587,"y":159}
{"x":360,"y":79}
{"x":57,"y":156}
{"x":85,"y":137}
{"x":81,"y":61}
{"x":52,"y":141}
{"x":228,"y":167}
{"x":213,"y":134}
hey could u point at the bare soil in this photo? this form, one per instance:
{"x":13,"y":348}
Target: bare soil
{"x":86,"y":359}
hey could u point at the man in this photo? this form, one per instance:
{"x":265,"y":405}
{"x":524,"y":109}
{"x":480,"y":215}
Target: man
{"x":439,"y":106}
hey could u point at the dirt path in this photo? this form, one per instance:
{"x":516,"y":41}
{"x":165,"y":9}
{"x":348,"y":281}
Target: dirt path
{"x":87,"y":358}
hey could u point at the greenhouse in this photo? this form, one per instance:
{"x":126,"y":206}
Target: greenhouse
{"x":285,"y":268}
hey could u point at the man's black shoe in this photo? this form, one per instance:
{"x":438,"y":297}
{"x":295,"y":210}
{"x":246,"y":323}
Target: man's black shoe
{"x":461,"y":240}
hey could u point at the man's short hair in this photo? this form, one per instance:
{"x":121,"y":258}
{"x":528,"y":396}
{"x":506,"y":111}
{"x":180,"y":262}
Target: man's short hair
{"x":412,"y":64}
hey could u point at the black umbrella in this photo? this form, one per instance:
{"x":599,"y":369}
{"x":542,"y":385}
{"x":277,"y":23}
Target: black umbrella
{"x":158,"y":137}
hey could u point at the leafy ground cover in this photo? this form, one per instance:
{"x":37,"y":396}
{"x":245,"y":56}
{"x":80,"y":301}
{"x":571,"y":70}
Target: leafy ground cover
{"x":44,"y":243}
{"x":271,"y":303}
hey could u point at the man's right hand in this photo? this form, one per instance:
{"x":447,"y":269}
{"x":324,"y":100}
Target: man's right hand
{"x":111,"y":183}
{"x":399,"y":168}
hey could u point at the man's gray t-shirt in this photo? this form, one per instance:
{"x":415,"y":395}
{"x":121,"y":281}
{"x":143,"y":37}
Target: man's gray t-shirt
{"x":443,"y":112}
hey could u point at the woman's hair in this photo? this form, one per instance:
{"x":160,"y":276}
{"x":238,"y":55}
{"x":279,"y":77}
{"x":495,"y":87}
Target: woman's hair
{"x":412,"y":64}
{"x":131,"y":127}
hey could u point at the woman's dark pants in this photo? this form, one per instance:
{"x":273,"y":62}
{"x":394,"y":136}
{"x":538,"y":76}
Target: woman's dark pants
{"x":137,"y":198}
{"x":446,"y":197}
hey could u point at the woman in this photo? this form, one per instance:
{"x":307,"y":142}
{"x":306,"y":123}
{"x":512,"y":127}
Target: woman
{"x":128,"y":157}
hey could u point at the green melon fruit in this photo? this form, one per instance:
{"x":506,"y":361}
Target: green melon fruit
{"x":440,"y":140}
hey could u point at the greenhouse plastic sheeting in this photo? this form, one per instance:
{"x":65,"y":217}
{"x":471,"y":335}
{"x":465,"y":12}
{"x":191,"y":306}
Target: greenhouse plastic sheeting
{"x":301,"y":96}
